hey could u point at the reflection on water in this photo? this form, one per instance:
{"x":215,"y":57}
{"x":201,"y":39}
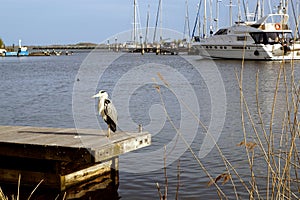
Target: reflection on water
{"x":38,"y":92}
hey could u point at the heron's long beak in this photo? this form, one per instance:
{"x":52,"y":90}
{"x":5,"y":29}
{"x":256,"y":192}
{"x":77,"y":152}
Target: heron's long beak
{"x":95,"y":96}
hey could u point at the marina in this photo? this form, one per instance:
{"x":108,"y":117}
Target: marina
{"x":95,"y":106}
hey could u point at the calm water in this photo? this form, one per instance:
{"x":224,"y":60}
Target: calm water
{"x":42,"y":91}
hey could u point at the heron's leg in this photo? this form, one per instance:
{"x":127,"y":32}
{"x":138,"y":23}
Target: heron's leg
{"x":108,"y":131}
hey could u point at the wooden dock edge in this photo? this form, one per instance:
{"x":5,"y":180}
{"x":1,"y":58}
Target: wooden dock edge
{"x":89,"y":173}
{"x":122,"y":147}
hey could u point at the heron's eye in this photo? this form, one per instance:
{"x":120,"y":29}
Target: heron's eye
{"x":102,"y":91}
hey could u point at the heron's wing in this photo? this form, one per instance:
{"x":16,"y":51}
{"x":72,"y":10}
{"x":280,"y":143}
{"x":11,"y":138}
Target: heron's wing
{"x":111,"y":113}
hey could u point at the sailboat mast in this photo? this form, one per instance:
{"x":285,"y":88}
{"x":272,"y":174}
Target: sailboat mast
{"x":297,"y":9}
{"x":205,"y":21}
{"x":286,"y":6}
{"x":262,"y":8}
{"x":230,"y":12}
{"x":188,"y":19}
{"x":160,"y":17}
{"x":297,"y":14}
{"x":297,"y":21}
{"x":187,"y":31}
{"x":239,"y":11}
{"x":210,"y":18}
{"x":199,"y":21}
{"x":217,"y":14}
{"x":246,"y":7}
{"x":156,"y":22}
{"x":147,"y":25}
{"x":134,"y":21}
{"x":258,"y":10}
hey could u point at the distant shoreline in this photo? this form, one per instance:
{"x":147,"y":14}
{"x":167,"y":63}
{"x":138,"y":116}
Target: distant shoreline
{"x":38,"y":50}
{"x":71,"y":46}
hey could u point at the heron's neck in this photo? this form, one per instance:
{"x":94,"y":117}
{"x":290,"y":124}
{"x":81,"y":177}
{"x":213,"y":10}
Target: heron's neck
{"x":101,"y":105}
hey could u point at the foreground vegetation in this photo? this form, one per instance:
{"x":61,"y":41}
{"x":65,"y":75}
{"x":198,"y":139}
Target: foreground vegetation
{"x":277,"y":159}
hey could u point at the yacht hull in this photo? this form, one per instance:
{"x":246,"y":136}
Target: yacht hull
{"x":252,"y":52}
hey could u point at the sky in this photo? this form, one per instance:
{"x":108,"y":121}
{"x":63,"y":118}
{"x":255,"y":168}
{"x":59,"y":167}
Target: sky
{"x":38,"y":22}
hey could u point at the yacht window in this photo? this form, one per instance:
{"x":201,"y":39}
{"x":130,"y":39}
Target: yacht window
{"x":259,"y":38}
{"x":271,"y":37}
{"x":288,"y":36}
{"x":241,"y":38}
{"x":221,"y":32}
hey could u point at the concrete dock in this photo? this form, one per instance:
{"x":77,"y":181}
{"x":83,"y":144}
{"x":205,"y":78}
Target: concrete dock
{"x":63,"y":157}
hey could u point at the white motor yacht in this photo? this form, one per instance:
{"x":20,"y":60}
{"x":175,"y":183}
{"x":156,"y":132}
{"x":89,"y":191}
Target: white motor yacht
{"x":269,"y":38}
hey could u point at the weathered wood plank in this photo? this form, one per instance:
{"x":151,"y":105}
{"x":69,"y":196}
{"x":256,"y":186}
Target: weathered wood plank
{"x":99,"y":183}
{"x":121,"y":147}
{"x":63,"y":144}
{"x":46,"y":152}
{"x":85,"y":174}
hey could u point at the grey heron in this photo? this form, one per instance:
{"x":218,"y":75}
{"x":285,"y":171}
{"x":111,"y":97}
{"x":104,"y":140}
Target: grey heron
{"x":107,"y":110}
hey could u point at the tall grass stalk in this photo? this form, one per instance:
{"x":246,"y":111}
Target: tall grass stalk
{"x":3,"y":197}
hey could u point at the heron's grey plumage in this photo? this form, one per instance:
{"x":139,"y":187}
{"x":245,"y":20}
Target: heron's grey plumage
{"x":107,"y":110}
{"x":110,"y":114}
